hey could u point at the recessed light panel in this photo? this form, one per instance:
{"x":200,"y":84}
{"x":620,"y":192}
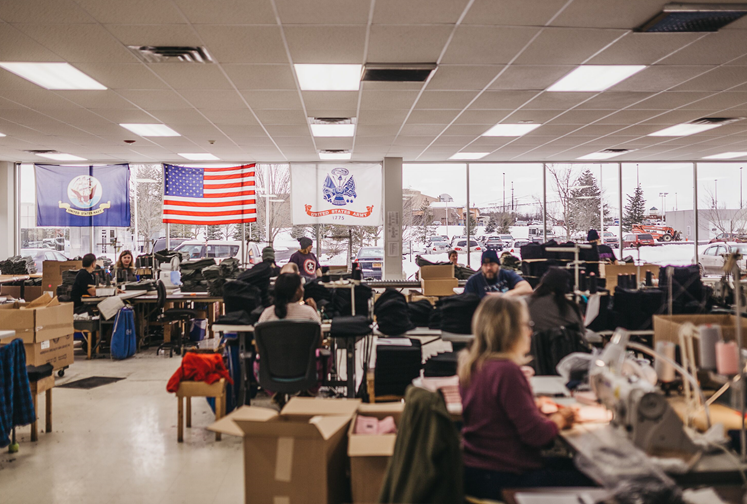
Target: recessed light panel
{"x":469,"y":155}
{"x":198,"y":156}
{"x":685,"y":129}
{"x":62,"y":157}
{"x":606,"y":154}
{"x":2,"y":135}
{"x":57,"y":76}
{"x":328,"y":77}
{"x":511,"y":130}
{"x":591,"y":78}
{"x":151,"y":130}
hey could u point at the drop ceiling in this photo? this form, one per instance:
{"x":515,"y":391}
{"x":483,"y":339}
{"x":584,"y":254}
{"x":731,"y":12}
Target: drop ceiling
{"x":496,"y":59}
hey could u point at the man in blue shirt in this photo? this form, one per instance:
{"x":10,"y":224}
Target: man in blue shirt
{"x":491,"y":279}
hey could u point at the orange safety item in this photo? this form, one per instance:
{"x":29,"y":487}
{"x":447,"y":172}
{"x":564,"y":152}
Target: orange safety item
{"x":208,"y":368}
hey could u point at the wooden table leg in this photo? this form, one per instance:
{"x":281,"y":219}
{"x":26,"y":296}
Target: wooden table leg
{"x":218,"y":409}
{"x":189,"y":410}
{"x":34,"y":427}
{"x":211,"y":319}
{"x":89,"y":342}
{"x":48,"y":412}
{"x":180,"y":424}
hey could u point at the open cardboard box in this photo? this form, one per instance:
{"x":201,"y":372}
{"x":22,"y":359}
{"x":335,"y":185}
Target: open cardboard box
{"x":438,"y":280}
{"x":369,"y":454}
{"x":295,"y":456}
{"x":40,"y":320}
{"x":667,"y":328}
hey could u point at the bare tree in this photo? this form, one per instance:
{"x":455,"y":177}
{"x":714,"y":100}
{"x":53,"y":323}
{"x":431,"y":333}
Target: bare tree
{"x":149,"y":202}
{"x":723,"y":219}
{"x":563,"y":181}
{"x":273,"y":180}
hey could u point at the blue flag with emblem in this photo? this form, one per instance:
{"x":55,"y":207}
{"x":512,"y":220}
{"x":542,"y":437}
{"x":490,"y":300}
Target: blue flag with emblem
{"x":82,"y":196}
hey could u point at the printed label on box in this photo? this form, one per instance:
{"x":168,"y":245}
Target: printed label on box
{"x":45,"y":344}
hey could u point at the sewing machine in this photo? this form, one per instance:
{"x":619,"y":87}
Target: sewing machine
{"x":638,"y":408}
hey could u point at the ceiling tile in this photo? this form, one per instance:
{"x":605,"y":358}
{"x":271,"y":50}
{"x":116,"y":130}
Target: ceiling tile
{"x":530,"y":77}
{"x":422,"y":129}
{"x":427,"y":116}
{"x":185,"y":76}
{"x":466,"y":129}
{"x":714,"y":49}
{"x":42,"y":11}
{"x":718,"y":79}
{"x":155,"y":99}
{"x":277,"y":130}
{"x":445,"y":100}
{"x":383,"y":117}
{"x":333,"y":143}
{"x":326,"y":44}
{"x":270,"y":77}
{"x":288,"y":117}
{"x":239,"y":117}
{"x":481,"y":117}
{"x":627,"y":117}
{"x":717,"y":102}
{"x":580,"y":116}
{"x":486,"y":45}
{"x":558,"y":46}
{"x":37,"y":98}
{"x":331,"y":12}
{"x":407,"y":44}
{"x":643,"y":48}
{"x":502,"y":100}
{"x":383,"y":100}
{"x":418,"y":11}
{"x":627,"y":14}
{"x":127,"y":116}
{"x":123,"y":76}
{"x":97,"y":99}
{"x":228,"y":11}
{"x":206,"y":98}
{"x":17,"y":46}
{"x":76,"y":43}
{"x":612,"y":100}
{"x":315,"y":100}
{"x":175,"y":118}
{"x":513,"y":12}
{"x":244,"y":44}
{"x":327,"y":112}
{"x":133,"y":11}
{"x":557,"y":101}
{"x":462,"y":77}
{"x":155,"y":34}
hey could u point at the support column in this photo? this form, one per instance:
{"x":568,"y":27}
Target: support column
{"x":620,"y":209}
{"x":9,"y":206}
{"x":696,"y":224}
{"x":392,"y":186}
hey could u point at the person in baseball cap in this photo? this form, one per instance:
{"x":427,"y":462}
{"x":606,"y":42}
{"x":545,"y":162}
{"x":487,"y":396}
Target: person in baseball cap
{"x":491,"y":279}
{"x":305,"y":259}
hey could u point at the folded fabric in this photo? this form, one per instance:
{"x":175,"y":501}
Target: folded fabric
{"x":208,"y":368}
{"x":372,"y":425}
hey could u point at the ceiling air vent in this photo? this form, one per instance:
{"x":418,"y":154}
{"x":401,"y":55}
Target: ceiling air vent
{"x":616,"y":152}
{"x":716,"y":120}
{"x":403,"y":72}
{"x":41,"y":151}
{"x":172,"y":54}
{"x":683,"y":17}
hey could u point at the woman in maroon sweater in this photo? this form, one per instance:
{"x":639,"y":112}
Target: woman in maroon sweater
{"x":503,"y":427}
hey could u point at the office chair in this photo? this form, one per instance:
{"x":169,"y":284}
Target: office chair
{"x":287,"y":355}
{"x":181,"y":315}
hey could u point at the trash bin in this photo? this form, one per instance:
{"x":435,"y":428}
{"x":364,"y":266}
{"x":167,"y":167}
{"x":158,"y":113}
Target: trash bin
{"x":197,"y":329}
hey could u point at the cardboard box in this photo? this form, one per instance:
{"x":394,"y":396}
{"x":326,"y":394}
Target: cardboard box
{"x":438,"y":280}
{"x":31,"y":292}
{"x":667,"y":327}
{"x":58,"y":351}
{"x":40,"y":320}
{"x":370,"y":454}
{"x":52,"y":273}
{"x":296,"y":456}
{"x":610,"y":272}
{"x":10,"y":290}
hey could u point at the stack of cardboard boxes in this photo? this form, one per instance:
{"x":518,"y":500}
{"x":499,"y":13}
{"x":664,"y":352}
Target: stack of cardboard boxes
{"x":46,"y":328}
{"x":52,"y":273}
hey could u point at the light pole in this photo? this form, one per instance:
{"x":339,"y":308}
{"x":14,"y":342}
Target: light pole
{"x":715,"y":186}
{"x":740,"y":187}
{"x":504,"y":192}
{"x":663,"y":196}
{"x":134,"y":207}
{"x":268,"y":207}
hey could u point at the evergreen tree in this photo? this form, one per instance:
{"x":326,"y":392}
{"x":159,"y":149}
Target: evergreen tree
{"x":584,"y":203}
{"x":635,"y":209}
{"x":213,"y":233}
{"x":490,"y":228}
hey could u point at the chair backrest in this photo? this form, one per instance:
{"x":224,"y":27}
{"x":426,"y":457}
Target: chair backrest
{"x":287,"y":354}
{"x":161,"y":290}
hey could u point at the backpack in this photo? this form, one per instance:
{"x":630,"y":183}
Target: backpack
{"x":124,"y":340}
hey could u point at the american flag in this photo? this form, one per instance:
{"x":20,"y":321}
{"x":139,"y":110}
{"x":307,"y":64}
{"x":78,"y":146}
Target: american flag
{"x":209,"y":195}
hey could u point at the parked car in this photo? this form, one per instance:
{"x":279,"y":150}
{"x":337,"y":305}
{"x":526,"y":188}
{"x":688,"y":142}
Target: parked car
{"x":610,"y":239}
{"x":730,"y":237}
{"x":515,"y":247}
{"x":160,"y":244}
{"x":461,"y":246}
{"x":211,"y":249}
{"x":638,"y":239}
{"x":494,"y":243}
{"x":39,"y":255}
{"x":370,"y":260}
{"x":506,"y":238}
{"x":712,"y":259}
{"x":438,"y":244}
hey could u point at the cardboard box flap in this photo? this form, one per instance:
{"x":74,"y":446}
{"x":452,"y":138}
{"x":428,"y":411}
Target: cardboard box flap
{"x":382,"y":410}
{"x":372,"y":445}
{"x":43,"y":300}
{"x":279,"y":427}
{"x":437,"y":271}
{"x":328,"y":426}
{"x":304,"y":408}
{"x":226,"y":425}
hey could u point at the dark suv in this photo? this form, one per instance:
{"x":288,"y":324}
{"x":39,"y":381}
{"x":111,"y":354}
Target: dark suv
{"x":494,"y":243}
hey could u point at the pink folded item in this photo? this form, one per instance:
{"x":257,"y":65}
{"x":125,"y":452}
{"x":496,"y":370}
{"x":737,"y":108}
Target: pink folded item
{"x":366,"y":425}
{"x":387,"y":426}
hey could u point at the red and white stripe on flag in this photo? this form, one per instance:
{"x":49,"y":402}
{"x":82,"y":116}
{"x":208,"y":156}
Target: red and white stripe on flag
{"x":209,"y":196}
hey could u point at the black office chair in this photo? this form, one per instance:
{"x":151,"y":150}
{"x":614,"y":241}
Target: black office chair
{"x":181,"y":315}
{"x":287,"y":355}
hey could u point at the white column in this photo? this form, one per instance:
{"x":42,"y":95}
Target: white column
{"x":392,"y":175}
{"x":9,"y":206}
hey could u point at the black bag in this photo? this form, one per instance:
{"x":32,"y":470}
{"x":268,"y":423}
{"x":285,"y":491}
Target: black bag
{"x":457,"y":312}
{"x":391,"y":312}
{"x":549,"y":347}
{"x":319,"y":293}
{"x":238,"y":296}
{"x":420,"y":312}
{"x":441,"y":364}
{"x":341,"y":300}
{"x":240,"y":317}
{"x":350,"y":327}
{"x":688,"y":292}
{"x":396,"y":367}
{"x":532,"y":251}
{"x":634,"y":309}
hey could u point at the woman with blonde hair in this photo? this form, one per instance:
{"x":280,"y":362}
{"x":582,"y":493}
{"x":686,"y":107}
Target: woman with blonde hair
{"x":503,"y":428}
{"x":124,"y":269}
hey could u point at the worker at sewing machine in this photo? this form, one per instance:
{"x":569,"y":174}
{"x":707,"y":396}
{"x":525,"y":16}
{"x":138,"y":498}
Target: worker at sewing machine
{"x":504,"y":429}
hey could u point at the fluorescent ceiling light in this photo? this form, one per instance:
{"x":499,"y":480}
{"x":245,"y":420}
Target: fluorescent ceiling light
{"x":727,"y":155}
{"x":62,"y":157}
{"x":333,"y":130}
{"x":151,"y":130}
{"x":334,"y":156}
{"x":603,"y":155}
{"x":56,"y":76}
{"x":329,"y":77}
{"x":198,"y":156}
{"x":2,"y":135}
{"x":511,"y":130}
{"x":595,"y":77}
{"x":684,"y":129}
{"x":469,"y":155}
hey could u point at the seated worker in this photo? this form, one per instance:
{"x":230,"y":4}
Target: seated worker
{"x":598,"y":253}
{"x":510,"y":261}
{"x":503,"y":428}
{"x":454,"y":258}
{"x":306,"y":260}
{"x":289,"y":301}
{"x":290,"y":268}
{"x":548,"y":305}
{"x":492,"y":279}
{"x":124,"y":268}
{"x":84,"y":283}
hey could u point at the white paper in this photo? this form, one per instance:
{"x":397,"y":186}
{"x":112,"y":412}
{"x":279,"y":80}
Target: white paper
{"x":393,"y":249}
{"x":394,"y":341}
{"x":110,"y":306}
{"x":393,"y":225}
{"x":592,"y":309}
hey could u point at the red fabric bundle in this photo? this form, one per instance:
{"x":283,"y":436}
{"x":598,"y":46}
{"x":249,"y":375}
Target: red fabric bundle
{"x":208,"y":368}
